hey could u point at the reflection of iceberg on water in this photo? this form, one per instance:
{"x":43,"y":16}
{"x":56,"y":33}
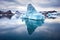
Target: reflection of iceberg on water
{"x":17,"y":15}
{"x":33,"y":19}
{"x":32,"y":25}
{"x":33,"y":14}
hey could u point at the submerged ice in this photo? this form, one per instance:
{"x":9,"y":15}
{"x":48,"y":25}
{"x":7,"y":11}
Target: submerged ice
{"x":32,"y":25}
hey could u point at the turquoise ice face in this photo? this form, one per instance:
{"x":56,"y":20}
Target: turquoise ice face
{"x":32,"y":25}
{"x":30,"y":8}
{"x":32,"y":19}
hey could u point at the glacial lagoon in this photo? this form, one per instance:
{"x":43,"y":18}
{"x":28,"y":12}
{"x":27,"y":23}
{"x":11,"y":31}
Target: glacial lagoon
{"x":29,"y":29}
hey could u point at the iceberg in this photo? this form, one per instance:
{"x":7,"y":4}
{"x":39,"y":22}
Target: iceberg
{"x":32,"y":19}
{"x":33,"y":14}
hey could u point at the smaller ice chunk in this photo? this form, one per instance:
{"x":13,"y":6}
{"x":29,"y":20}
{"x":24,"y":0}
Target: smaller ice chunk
{"x":53,"y":15}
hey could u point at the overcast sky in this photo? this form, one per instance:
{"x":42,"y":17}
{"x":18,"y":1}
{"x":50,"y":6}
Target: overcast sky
{"x":22,"y":4}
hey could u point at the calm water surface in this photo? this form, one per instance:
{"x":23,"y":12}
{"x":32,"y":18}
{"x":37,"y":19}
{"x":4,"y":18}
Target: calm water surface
{"x":30,"y":29}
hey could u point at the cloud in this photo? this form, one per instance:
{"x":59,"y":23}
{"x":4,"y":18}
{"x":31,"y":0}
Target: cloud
{"x":23,"y":1}
{"x":8,"y":5}
{"x":8,"y":0}
{"x":41,"y":4}
{"x":40,"y":1}
{"x":51,"y":3}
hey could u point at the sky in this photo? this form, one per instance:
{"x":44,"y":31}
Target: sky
{"x":21,"y":5}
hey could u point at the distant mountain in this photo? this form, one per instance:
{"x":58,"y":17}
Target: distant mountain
{"x":7,"y":14}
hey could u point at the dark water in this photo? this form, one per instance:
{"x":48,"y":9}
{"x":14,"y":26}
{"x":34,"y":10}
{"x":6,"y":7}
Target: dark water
{"x":31,"y":30}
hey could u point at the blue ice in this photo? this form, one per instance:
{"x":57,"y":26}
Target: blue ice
{"x":33,"y":14}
